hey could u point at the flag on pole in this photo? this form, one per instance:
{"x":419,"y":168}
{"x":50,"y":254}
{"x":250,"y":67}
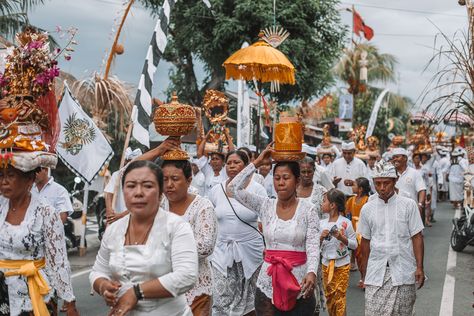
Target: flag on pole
{"x":81,"y":145}
{"x":143,"y":99}
{"x":360,"y":26}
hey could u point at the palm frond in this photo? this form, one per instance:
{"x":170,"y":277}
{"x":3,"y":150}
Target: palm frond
{"x":452,"y":86}
{"x":108,"y":101}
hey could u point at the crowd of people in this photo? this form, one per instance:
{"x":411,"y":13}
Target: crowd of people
{"x":233,"y":234}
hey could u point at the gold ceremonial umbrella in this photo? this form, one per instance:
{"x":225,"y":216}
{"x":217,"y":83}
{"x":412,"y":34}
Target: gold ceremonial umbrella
{"x":261,"y":62}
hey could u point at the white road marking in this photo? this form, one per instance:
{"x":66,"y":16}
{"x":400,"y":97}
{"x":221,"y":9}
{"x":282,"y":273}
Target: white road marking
{"x":78,"y":274}
{"x":447,"y":299}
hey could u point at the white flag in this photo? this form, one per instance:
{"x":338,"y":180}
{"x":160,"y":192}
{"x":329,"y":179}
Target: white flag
{"x":81,"y":145}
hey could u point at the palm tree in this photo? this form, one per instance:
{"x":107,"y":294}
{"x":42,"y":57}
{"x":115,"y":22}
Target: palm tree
{"x":381,"y":67}
{"x":14,"y":18}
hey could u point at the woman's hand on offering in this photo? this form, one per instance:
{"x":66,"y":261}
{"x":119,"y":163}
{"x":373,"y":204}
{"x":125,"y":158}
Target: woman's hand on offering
{"x":308,"y":283}
{"x":125,"y":304}
{"x":266,"y":154}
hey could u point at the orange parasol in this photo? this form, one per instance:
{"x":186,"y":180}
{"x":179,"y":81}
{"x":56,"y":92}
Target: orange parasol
{"x":261,"y":62}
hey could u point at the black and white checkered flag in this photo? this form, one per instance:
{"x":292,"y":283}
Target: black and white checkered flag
{"x":142,"y":106}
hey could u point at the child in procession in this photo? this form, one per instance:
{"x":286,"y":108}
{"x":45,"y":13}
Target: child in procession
{"x":337,"y":237}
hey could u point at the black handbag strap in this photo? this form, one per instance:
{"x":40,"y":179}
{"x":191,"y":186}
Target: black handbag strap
{"x":235,"y":213}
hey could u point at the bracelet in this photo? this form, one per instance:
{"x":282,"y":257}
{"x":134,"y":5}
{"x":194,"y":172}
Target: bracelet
{"x":138,"y":292}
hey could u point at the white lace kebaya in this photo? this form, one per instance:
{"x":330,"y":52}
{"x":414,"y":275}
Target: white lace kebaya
{"x":201,"y":216}
{"x":40,"y":235}
{"x":300,"y":233}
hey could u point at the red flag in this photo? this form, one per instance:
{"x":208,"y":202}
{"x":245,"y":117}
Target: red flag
{"x":359,"y":26}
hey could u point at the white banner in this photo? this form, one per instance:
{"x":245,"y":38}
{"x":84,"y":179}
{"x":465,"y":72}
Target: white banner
{"x":243,"y":112}
{"x":81,"y":145}
{"x":373,"y":116}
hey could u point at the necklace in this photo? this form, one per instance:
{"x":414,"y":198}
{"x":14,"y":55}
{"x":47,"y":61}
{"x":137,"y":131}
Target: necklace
{"x":142,"y":239}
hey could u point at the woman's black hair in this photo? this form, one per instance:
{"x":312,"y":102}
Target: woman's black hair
{"x":184,"y":165}
{"x":220,"y":155}
{"x":308,"y":161}
{"x":155,"y":169}
{"x":242,"y":155}
{"x":292,"y":165}
{"x":247,"y":151}
{"x":336,"y":196}
{"x":364,"y":184}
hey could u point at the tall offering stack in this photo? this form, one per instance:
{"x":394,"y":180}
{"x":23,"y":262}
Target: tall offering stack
{"x":29,"y":123}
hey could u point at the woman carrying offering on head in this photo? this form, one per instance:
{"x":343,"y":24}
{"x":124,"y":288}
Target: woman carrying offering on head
{"x":33,"y":257}
{"x":212,"y":165}
{"x":199,"y":212}
{"x":291,"y":230}
{"x":337,"y":237}
{"x":147,"y":259}
{"x":239,"y":246}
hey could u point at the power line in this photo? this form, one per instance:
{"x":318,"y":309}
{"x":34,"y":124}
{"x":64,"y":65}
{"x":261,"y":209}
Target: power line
{"x":405,"y":10}
{"x":405,"y":35}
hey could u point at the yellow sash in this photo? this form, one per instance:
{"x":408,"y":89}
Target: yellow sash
{"x":332,"y":264}
{"x":37,"y":286}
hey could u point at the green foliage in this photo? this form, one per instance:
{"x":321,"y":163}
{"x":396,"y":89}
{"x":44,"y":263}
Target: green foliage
{"x":14,"y":18}
{"x":209,"y":37}
{"x":380,"y":67}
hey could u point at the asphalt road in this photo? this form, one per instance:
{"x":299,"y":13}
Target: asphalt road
{"x":447,"y":291}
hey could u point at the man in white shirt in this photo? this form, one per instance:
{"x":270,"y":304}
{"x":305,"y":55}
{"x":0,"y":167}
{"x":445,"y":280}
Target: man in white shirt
{"x":343,"y":171}
{"x":392,"y":248}
{"x":444,"y":162}
{"x":410,"y":180}
{"x":54,"y":193}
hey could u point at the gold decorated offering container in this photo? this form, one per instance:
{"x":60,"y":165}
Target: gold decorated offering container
{"x":174,"y":119}
{"x":289,"y":136}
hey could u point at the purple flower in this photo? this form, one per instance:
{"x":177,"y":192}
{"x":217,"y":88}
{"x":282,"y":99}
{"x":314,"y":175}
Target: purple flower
{"x":34,"y":45}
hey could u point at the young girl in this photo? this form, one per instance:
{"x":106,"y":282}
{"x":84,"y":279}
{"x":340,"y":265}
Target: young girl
{"x":361,"y":189}
{"x":337,"y":237}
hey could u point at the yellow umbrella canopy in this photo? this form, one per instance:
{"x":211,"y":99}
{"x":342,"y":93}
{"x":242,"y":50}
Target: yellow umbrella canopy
{"x":262,"y":62}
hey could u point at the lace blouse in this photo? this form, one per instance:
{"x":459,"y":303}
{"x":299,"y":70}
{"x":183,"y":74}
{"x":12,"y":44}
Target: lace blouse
{"x":200,"y":214}
{"x":39,"y":235}
{"x":300,"y":233}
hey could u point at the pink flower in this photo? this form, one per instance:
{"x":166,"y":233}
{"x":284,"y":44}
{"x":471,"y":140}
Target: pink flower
{"x":344,"y":225}
{"x":35,"y":45}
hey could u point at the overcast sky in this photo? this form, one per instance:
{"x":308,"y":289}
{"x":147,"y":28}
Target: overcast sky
{"x":404,"y":28}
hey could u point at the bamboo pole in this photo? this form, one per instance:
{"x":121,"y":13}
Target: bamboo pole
{"x":117,"y":35}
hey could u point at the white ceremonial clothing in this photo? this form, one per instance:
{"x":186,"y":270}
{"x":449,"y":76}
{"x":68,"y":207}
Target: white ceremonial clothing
{"x":456,"y":180}
{"x":431,"y":168}
{"x":116,"y":179}
{"x":321,"y":177}
{"x":201,"y":216}
{"x":334,"y":249}
{"x":211,"y":178}
{"x":168,"y":255}
{"x":268,"y":185}
{"x":39,"y":235}
{"x":443,"y":169}
{"x":300,"y":233}
{"x":236,"y":241}
{"x":390,"y":227}
{"x":347,"y":171}
{"x":411,"y":181}
{"x":56,"y":195}
{"x":199,"y":183}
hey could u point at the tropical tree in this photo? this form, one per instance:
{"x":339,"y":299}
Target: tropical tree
{"x":380,"y":67}
{"x":14,"y":17}
{"x":207,"y":37}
